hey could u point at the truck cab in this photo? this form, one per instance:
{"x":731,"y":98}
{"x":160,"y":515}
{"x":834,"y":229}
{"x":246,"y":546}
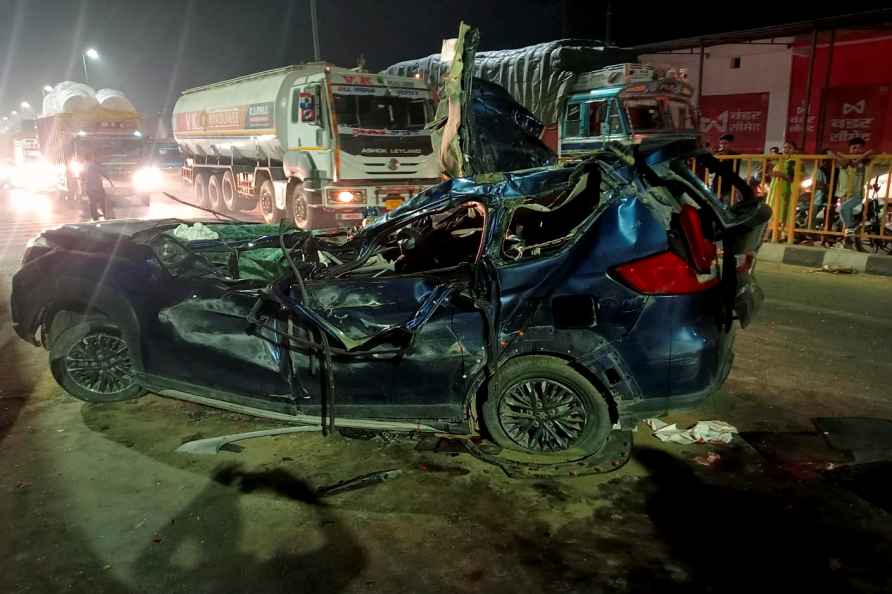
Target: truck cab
{"x":632,"y":103}
{"x":358,"y":143}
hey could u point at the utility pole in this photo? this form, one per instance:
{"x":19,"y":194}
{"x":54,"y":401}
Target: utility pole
{"x":607,"y":25}
{"x":315,"y":30}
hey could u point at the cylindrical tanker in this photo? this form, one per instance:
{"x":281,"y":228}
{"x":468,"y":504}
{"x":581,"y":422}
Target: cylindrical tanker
{"x":322,"y":145}
{"x":239,"y":114}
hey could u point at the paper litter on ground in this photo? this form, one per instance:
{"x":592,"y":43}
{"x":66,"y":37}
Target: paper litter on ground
{"x":701,"y":432}
{"x":193,"y":232}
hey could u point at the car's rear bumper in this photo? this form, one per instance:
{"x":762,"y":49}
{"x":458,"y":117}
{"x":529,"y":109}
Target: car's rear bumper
{"x":632,"y":412}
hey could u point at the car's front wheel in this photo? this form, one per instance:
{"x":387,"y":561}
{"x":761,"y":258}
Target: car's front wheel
{"x":91,"y":359}
{"x":543,"y":406}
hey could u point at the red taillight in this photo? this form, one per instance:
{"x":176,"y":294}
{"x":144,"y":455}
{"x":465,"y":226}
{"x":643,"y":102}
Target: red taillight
{"x":664,"y":274}
{"x":703,"y":251}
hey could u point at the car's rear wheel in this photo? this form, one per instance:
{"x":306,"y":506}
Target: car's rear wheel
{"x":215,"y":195}
{"x":545,"y":407}
{"x":91,"y":359}
{"x":200,"y":190}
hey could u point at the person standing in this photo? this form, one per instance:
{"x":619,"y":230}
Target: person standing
{"x":725,"y":150}
{"x":725,"y":142}
{"x":781,"y":186}
{"x":91,"y":178}
{"x":819,"y":189}
{"x":850,"y":184}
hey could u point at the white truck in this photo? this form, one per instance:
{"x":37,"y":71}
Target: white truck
{"x":322,"y":145}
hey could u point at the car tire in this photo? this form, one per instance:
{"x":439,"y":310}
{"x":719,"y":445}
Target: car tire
{"x":91,"y":359}
{"x":298,"y":208}
{"x":266,"y":200}
{"x":545,"y":407}
{"x":200,"y":190}
{"x":215,"y":194}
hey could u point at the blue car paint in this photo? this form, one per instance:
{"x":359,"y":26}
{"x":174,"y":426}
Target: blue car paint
{"x":194,"y":333}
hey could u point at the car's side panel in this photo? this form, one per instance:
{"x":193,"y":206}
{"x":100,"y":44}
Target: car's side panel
{"x":625,"y":231}
{"x":203,"y":338}
{"x":414,"y":368}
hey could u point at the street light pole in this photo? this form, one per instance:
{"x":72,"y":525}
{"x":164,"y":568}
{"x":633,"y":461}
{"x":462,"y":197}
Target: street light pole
{"x":315,"y":30}
{"x":93,"y":55}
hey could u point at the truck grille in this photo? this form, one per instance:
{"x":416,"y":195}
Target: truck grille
{"x":403,"y":168}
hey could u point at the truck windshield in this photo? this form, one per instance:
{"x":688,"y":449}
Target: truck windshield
{"x":681,"y":115}
{"x":382,"y":113}
{"x":109,"y":150}
{"x":645,"y":114}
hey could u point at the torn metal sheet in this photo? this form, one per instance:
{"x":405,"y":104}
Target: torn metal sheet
{"x":538,"y":76}
{"x":479,"y":128}
{"x":212,"y":445}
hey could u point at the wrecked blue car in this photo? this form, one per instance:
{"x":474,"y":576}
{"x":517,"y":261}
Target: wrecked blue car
{"x":542,"y":309}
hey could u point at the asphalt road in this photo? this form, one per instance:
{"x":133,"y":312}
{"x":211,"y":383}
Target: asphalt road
{"x":94,"y":499}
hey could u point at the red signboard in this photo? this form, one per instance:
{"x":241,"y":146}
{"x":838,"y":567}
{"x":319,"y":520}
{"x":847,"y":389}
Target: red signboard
{"x":744,"y":115}
{"x":854,"y":112}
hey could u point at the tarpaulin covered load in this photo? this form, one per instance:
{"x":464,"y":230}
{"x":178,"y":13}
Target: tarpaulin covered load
{"x":538,"y":76}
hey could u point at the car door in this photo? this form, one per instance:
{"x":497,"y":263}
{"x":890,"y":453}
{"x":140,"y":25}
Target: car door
{"x":200,"y":334}
{"x":403,"y":358}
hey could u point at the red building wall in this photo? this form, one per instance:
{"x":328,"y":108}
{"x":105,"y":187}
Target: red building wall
{"x":856,"y":101}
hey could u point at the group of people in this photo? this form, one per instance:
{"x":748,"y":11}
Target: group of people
{"x":848,"y":190}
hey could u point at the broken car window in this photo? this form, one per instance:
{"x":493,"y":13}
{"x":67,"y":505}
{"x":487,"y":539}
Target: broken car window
{"x":543,"y":225}
{"x":431,"y":242}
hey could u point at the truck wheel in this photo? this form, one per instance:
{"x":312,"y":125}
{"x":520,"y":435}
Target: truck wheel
{"x":546,"y":407}
{"x":298,"y":208}
{"x":200,"y":190}
{"x":267,"y":199}
{"x":91,"y":359}
{"x":215,"y":195}
{"x":230,"y":196}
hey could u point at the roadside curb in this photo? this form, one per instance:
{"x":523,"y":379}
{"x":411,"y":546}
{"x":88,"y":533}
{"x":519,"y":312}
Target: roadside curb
{"x":815,"y":257}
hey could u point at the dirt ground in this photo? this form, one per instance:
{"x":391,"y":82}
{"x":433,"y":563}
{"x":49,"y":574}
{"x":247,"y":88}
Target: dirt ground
{"x":93,"y":498}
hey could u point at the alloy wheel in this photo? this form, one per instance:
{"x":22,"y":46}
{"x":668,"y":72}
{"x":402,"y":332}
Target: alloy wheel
{"x":101,"y":363}
{"x":542,"y":415}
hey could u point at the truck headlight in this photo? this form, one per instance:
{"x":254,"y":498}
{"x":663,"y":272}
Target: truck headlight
{"x":346,"y":196}
{"x":75,"y":167}
{"x":147,"y":179}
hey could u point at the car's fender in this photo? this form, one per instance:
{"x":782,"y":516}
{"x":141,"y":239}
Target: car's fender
{"x":82,"y":296}
{"x":586,"y":351}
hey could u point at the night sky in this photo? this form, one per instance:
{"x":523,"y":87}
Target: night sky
{"x":152,"y":50}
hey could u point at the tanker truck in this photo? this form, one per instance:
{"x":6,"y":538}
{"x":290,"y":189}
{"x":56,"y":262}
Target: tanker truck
{"x":321,"y":145}
{"x":78,"y":122}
